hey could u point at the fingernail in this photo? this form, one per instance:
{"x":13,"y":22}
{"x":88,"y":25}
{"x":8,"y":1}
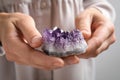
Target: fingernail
{"x":72,"y":61}
{"x":86,"y":33}
{"x":36,"y":41}
{"x":58,"y":64}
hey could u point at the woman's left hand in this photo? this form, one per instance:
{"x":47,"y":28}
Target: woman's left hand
{"x":97,"y":30}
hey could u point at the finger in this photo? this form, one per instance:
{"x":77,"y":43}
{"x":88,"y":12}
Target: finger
{"x":26,"y":55}
{"x":20,"y":52}
{"x":83,"y":23}
{"x":26,"y":25}
{"x":71,"y":60}
{"x":101,"y":34}
{"x":90,"y":52}
{"x":106,"y":44}
{"x":39,"y":59}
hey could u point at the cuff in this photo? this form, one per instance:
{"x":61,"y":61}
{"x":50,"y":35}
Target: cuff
{"x":106,"y":9}
{"x":107,"y":14}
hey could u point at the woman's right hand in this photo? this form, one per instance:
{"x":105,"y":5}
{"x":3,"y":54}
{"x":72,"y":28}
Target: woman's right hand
{"x":19,"y":37}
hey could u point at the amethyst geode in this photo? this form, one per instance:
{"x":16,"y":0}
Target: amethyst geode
{"x":61,"y":43}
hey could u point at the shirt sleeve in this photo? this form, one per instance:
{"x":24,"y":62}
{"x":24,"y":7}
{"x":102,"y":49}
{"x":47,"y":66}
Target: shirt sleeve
{"x":103,"y":6}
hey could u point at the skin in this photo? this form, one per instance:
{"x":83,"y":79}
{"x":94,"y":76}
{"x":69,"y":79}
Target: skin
{"x":19,"y":37}
{"x":97,"y":30}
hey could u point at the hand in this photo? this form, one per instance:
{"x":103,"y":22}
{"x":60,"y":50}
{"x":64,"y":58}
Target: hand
{"x":19,"y":37}
{"x":98,"y":32}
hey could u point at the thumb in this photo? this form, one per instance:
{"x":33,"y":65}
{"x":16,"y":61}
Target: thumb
{"x":26,"y":25}
{"x":83,"y":23}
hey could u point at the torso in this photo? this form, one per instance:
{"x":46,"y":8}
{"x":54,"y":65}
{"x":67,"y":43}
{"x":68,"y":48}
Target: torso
{"x":46,"y":13}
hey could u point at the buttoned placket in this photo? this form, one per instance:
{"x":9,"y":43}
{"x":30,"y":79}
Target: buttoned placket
{"x":41,"y":6}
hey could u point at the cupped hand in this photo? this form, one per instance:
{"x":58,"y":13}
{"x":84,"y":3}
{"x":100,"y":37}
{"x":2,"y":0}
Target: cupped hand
{"x":19,"y":37}
{"x":97,"y":30}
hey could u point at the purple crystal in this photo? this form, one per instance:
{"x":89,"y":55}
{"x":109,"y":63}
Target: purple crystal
{"x":63,"y":43}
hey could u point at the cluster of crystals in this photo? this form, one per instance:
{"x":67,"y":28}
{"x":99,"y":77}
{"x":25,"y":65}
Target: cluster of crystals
{"x":63,"y":43}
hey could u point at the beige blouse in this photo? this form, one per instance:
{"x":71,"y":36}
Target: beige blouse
{"x":50,"y":13}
